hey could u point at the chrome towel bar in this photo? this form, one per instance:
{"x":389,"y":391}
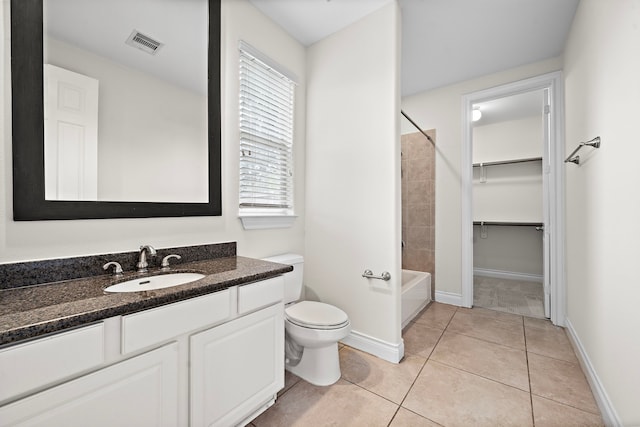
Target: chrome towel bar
{"x":573,"y":158}
{"x":369,"y":275}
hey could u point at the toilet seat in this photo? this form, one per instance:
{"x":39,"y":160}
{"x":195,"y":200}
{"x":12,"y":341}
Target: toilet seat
{"x":316,"y":315}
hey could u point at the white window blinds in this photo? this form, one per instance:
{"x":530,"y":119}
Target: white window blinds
{"x":266,"y":136}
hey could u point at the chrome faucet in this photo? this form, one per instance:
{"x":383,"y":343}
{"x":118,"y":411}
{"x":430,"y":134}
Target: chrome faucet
{"x":142,"y":261}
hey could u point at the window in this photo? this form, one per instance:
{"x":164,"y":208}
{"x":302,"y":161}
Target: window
{"x":266,"y":138}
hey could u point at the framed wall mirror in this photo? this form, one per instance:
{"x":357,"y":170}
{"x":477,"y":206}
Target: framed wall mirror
{"x":115,"y":109}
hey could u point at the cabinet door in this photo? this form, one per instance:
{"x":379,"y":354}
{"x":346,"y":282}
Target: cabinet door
{"x":142,"y":391}
{"x":237,"y":368}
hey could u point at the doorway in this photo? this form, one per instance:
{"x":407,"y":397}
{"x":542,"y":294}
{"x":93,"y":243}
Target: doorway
{"x":508,"y":139}
{"x":523,"y":202}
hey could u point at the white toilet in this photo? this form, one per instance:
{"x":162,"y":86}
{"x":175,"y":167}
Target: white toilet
{"x":312,"y":329}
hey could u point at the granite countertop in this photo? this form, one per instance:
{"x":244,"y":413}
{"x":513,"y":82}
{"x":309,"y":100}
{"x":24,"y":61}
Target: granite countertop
{"x":32,"y":311}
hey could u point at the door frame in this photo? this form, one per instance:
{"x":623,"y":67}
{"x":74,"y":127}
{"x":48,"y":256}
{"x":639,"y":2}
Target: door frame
{"x":555,"y":197}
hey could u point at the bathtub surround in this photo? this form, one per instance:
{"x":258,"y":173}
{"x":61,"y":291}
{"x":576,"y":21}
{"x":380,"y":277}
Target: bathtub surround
{"x":418,"y":203}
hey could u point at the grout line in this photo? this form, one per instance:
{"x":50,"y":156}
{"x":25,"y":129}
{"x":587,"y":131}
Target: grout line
{"x":567,"y":405}
{"x":428,"y":357}
{"x":394,"y":416}
{"x":421,"y":416}
{"x":555,"y":358}
{"x":489,"y":341}
{"x":370,"y":391}
{"x":288,"y":390}
{"x":475,"y":374}
{"x":526,"y":353}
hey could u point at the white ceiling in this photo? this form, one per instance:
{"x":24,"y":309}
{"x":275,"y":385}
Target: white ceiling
{"x":443,"y":41}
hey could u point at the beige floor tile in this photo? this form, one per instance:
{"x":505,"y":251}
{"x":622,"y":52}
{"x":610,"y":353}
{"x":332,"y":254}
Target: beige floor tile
{"x":289,"y":381}
{"x":561,"y":381}
{"x":389,"y":380}
{"x":494,"y":361}
{"x":436,"y":315}
{"x":452,"y":397}
{"x":406,"y":418}
{"x":492,"y":314}
{"x":549,"y":341}
{"x":419,"y":340}
{"x":532,"y":322}
{"x":510,"y":296}
{"x":548,"y":413}
{"x":493,"y":329}
{"x":342,"y":404}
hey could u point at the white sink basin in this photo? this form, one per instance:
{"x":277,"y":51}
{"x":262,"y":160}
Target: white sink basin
{"x":149,"y":283}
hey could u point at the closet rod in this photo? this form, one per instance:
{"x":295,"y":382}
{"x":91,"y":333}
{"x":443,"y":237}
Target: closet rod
{"x":506,"y":223}
{"x":508,"y":162}
{"x":417,"y":127}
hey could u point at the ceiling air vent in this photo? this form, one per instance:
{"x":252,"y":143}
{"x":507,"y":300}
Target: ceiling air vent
{"x":144,"y":42}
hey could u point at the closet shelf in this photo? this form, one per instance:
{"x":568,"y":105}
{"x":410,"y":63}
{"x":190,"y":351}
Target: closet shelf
{"x":509,"y":223}
{"x":508,"y":162}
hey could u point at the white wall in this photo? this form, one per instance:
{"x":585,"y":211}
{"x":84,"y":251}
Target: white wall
{"x":508,"y":249}
{"x":508,"y":140}
{"x":147,"y":128}
{"x":441,"y":109}
{"x":21,"y":241}
{"x":511,"y":193}
{"x":353,"y":173}
{"x":601,"y":70}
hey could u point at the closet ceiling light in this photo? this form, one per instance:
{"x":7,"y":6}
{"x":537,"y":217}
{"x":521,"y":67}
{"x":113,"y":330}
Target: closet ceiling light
{"x":476,"y":115}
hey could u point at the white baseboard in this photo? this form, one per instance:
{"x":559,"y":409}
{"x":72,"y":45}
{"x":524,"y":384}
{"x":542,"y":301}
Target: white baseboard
{"x":511,"y":275}
{"x":382,"y":349}
{"x":609,"y":414}
{"x":449,"y":298}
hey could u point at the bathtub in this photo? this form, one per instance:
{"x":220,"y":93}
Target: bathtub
{"x":416,"y":294}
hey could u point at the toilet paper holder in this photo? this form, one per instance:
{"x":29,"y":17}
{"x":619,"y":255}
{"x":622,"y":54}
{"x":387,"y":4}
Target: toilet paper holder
{"x":369,"y":275}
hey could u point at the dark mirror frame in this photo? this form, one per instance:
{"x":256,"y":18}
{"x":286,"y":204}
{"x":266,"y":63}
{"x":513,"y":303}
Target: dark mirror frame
{"x":29,"y":202}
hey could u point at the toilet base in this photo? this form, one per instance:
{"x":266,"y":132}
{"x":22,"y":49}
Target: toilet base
{"x":318,"y":366}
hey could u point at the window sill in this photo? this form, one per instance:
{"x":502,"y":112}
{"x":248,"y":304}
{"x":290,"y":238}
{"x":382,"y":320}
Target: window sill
{"x":262,"y":222}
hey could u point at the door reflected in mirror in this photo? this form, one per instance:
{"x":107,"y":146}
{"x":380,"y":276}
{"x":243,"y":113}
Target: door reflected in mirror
{"x":126,"y":122}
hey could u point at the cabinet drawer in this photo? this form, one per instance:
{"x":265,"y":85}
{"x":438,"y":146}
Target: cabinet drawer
{"x":149,"y":327}
{"x":37,"y":363}
{"x":260,"y":294}
{"x":141,"y":391}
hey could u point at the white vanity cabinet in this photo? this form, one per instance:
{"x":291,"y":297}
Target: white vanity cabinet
{"x":237,"y":368}
{"x":216,"y":359}
{"x":141,"y":391}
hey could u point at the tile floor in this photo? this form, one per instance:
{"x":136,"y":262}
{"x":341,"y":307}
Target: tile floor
{"x":462,"y":367}
{"x":511,"y":296}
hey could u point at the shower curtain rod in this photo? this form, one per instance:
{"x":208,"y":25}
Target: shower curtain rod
{"x":418,"y":127}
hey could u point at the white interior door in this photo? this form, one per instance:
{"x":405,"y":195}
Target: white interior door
{"x":71,"y":135}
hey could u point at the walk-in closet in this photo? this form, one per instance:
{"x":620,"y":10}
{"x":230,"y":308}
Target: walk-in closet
{"x":508,"y":211}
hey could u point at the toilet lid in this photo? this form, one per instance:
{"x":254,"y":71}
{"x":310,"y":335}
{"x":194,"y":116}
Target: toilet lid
{"x":312,"y":314}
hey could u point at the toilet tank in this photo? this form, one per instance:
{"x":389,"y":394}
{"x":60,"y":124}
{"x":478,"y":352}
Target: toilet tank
{"x":293,"y":279}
